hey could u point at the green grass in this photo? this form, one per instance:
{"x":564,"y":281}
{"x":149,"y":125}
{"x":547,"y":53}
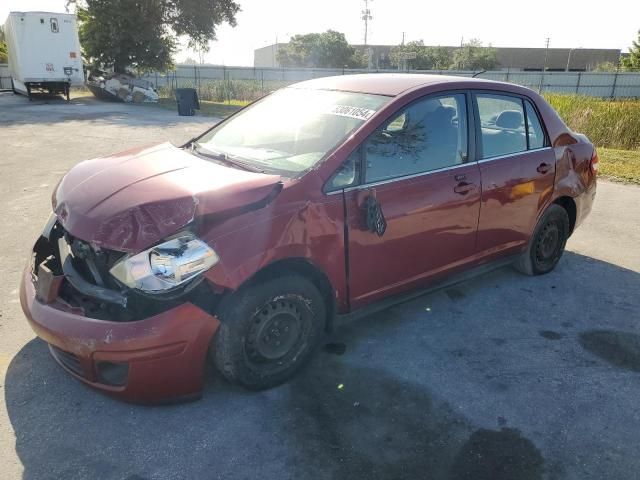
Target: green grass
{"x":607,"y":123}
{"x":621,"y":165}
{"x":207,"y":108}
{"x":228,"y":90}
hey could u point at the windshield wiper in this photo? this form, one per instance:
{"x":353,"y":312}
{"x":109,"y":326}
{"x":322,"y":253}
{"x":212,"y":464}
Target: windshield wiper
{"x":224,"y":157}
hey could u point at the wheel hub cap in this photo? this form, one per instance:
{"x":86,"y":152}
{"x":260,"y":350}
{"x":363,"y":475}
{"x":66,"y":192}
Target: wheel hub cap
{"x":277,"y":330}
{"x":548,"y":243}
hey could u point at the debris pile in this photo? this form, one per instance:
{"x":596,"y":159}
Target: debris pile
{"x":122,"y":88}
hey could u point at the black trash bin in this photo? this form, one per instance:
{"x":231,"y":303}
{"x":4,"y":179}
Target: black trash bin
{"x":188,"y":103}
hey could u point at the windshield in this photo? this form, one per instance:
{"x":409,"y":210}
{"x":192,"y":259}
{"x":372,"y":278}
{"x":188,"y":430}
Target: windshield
{"x":291,"y":130}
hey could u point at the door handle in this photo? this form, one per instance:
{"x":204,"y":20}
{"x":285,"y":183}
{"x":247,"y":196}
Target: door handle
{"x":543,"y":168}
{"x":463,"y":188}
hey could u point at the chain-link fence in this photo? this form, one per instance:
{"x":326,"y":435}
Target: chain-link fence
{"x":5,"y":78}
{"x":221,"y":83}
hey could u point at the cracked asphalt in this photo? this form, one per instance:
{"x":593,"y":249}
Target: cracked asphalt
{"x":500,"y":377}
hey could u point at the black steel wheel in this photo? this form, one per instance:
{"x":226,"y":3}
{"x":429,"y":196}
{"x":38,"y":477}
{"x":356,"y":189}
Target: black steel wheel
{"x":275,"y":330}
{"x":547,"y":242}
{"x":268,"y":330}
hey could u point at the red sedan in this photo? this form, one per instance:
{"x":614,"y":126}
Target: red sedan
{"x":320,"y":199}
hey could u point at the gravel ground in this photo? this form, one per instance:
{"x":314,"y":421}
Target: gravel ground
{"x":500,"y":377}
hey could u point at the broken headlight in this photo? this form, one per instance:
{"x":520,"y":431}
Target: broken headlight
{"x":167,"y":265}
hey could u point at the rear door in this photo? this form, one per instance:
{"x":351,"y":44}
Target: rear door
{"x":415,"y":213}
{"x":517,"y":167}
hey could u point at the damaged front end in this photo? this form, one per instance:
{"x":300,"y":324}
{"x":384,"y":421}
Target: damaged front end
{"x":135,"y":345}
{"x":80,"y":278}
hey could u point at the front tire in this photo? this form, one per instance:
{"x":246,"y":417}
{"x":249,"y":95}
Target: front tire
{"x":547,"y":243}
{"x":268,"y":330}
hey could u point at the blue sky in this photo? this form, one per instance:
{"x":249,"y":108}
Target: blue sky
{"x":568,"y":23}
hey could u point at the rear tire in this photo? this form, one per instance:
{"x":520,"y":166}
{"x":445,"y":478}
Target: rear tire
{"x":547,"y":243}
{"x":268,"y":331}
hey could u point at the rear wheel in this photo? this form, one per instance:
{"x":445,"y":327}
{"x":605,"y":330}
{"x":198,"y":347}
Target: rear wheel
{"x":268,"y":330}
{"x":547,"y":243}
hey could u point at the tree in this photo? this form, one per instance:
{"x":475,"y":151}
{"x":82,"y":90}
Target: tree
{"x":473,"y":56}
{"x":4,"y":55}
{"x":606,"y":67}
{"x":143,"y":34}
{"x":419,"y":57}
{"x":631,"y":62}
{"x":325,"y":50}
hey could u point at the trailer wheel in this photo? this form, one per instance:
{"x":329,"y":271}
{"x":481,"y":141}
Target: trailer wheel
{"x":29,"y":92}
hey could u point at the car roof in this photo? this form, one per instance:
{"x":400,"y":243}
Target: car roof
{"x":390,"y":84}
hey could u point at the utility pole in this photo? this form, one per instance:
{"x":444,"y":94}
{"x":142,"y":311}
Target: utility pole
{"x":546,"y":52}
{"x":544,"y":66}
{"x":403,"y":38}
{"x":366,"y":16}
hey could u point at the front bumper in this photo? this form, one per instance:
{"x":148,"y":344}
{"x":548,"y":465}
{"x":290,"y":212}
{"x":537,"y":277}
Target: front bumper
{"x":157,"y":359}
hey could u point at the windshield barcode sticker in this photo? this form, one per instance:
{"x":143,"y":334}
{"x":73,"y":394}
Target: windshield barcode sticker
{"x":351,"y":112}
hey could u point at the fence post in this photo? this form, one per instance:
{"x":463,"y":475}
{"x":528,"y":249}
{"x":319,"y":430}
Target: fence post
{"x":578,"y":83}
{"x":613,"y":87}
{"x":541,"y":81}
{"x":195,"y":79}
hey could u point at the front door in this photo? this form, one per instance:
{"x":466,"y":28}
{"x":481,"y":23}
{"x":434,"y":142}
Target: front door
{"x":517,"y":167}
{"x":415,"y":213}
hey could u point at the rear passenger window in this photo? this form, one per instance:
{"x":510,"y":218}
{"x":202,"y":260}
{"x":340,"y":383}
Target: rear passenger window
{"x":502,"y":125}
{"x":535,"y":131}
{"x":428,"y":135}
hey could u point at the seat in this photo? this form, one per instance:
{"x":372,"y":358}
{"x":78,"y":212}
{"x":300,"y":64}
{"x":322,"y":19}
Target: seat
{"x":506,"y":137}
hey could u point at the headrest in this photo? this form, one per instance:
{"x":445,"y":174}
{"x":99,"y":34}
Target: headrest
{"x":446,"y":112}
{"x":509,"y":119}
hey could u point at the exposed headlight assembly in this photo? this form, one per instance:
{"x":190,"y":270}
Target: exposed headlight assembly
{"x":167,"y":265}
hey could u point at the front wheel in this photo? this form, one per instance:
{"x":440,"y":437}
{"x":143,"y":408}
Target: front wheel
{"x":268,"y":330}
{"x":547,"y":242}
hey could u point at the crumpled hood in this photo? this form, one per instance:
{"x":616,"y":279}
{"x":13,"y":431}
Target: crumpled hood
{"x":131,"y":200}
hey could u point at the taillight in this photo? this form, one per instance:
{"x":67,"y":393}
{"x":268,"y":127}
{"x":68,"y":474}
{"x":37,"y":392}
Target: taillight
{"x":594,"y":162}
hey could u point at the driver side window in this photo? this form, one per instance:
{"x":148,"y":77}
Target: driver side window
{"x":427,"y":135}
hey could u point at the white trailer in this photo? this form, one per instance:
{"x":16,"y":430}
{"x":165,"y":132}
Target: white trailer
{"x":44,"y":52}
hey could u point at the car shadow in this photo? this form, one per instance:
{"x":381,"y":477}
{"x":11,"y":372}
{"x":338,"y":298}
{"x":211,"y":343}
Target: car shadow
{"x":458,"y":384}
